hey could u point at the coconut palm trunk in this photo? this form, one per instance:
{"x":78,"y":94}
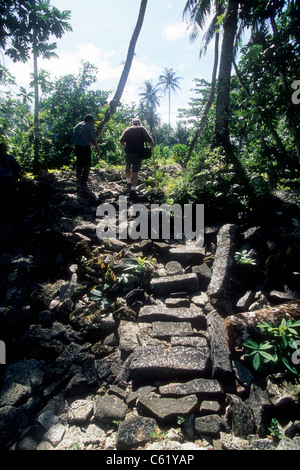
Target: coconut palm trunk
{"x":210,"y":99}
{"x":221,"y":137}
{"x":221,"y":132}
{"x":123,"y":79}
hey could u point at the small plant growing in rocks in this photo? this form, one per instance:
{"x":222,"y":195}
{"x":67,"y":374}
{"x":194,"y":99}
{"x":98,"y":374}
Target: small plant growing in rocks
{"x":244,"y":257}
{"x":275,"y":430}
{"x":277,"y":346}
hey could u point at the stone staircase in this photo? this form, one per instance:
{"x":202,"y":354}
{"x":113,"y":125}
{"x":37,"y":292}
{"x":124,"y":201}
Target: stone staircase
{"x":167,"y":380}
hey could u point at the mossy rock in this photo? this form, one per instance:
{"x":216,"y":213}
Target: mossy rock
{"x":101,"y":350}
{"x":124,"y":313}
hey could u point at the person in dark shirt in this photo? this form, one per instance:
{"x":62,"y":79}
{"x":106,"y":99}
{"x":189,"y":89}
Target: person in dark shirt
{"x":84,"y":137}
{"x":133,"y":139}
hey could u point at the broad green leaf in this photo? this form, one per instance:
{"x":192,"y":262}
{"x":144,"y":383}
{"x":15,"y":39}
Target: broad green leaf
{"x":291,"y":330}
{"x":251,"y":344}
{"x":289,"y":365}
{"x":266,"y":345}
{"x":267,"y":356}
{"x":256,"y":361}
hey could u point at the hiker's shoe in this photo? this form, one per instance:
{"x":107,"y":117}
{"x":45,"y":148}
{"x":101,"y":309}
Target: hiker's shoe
{"x":129,"y":187}
{"x":132,"y":195}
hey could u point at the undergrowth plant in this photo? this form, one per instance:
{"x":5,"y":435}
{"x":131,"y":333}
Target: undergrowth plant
{"x":275,"y":430}
{"x":244,"y":257}
{"x":277,"y":347}
{"x":110,"y":282}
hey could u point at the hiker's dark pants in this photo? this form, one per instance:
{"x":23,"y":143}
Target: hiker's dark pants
{"x":83,"y":155}
{"x":133,"y":162}
{"x":8,"y":196}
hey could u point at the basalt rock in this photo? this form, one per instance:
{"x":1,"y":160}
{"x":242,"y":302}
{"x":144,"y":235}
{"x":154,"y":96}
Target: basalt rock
{"x":117,"y":374}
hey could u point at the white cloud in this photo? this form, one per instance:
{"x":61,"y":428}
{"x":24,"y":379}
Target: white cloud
{"x":69,"y":63}
{"x":106,"y":61}
{"x":142,"y":71}
{"x":175,"y":31}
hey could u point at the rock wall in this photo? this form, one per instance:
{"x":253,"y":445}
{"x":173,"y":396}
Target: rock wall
{"x":108,"y":352}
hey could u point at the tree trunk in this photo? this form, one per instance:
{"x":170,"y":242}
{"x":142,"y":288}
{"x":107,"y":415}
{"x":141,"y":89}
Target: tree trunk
{"x":210,"y":99}
{"x":221,"y":137}
{"x":36,"y":92}
{"x":221,"y":133}
{"x":169,"y":131}
{"x":130,"y":55}
{"x":36,"y":111}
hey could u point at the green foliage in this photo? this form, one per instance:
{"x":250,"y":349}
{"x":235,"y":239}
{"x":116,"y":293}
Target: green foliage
{"x":110,"y":283}
{"x":180,"y":420}
{"x":157,"y":436}
{"x":68,"y":102}
{"x":244,"y":257}
{"x":28,"y":25}
{"x":140,"y":265}
{"x":180,"y":154}
{"x":262,"y":116}
{"x":211,"y":180}
{"x":275,"y":430}
{"x":258,"y":353}
{"x":276,"y":346}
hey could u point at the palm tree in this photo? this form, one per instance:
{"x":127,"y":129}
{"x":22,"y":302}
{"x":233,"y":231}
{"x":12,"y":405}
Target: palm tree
{"x":42,"y":21}
{"x":149,"y":97}
{"x":197,"y":13}
{"x":169,"y":82}
{"x":115,"y":102}
{"x":221,"y":137}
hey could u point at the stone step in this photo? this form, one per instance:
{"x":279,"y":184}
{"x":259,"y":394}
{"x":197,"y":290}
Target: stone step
{"x":167,"y":409}
{"x":187,"y":255}
{"x":176,"y":283}
{"x":161,"y":362}
{"x":203,"y":387}
{"x":165,"y":330}
{"x":194,"y":315}
{"x":194,"y":341}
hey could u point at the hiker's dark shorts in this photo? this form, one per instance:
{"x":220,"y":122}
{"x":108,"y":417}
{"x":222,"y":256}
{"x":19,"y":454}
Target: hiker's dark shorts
{"x":83,"y":154}
{"x":134,"y":161}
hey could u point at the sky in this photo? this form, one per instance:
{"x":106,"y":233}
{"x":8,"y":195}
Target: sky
{"x":101,"y":35}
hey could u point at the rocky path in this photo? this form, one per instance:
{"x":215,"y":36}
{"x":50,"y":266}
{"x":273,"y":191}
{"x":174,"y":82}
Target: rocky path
{"x":148,"y":365}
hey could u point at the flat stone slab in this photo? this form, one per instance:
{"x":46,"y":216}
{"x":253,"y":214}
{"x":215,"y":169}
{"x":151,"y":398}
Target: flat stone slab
{"x":168,"y":329}
{"x":167,"y":409}
{"x":196,"y":386}
{"x":177,"y":302}
{"x":223,"y":261}
{"x":151,"y":313}
{"x":128,"y":336}
{"x":156,"y":362}
{"x":187,"y":255}
{"x":178,"y":283}
{"x":220,"y":354}
{"x":194,"y":341}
